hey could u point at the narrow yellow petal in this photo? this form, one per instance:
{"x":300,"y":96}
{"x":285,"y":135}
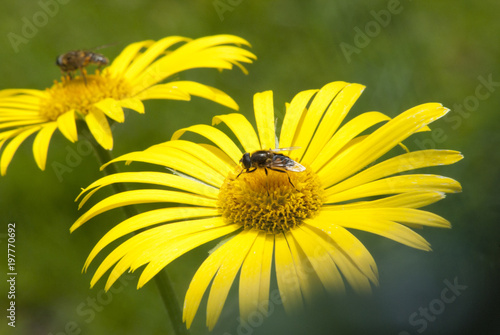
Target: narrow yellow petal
{"x":414,"y":199}
{"x":394,"y":185}
{"x":151,"y":218}
{"x":341,"y":138}
{"x":242,"y":128}
{"x":264,"y":116}
{"x":295,"y":114}
{"x":156,"y":178}
{"x":381,"y":141}
{"x":198,"y":152}
{"x":403,"y":215}
{"x":286,"y":274}
{"x":225,"y":276}
{"x":315,"y":113}
{"x":142,"y":197}
{"x":111,"y":108}
{"x":405,"y":162}
{"x":265,"y":273}
{"x":310,"y":284}
{"x":99,"y":127}
{"x":146,"y":247}
{"x":250,"y":278}
{"x":206,"y":92}
{"x":204,"y":52}
{"x":180,"y":246}
{"x":341,"y":243}
{"x":134,"y":104}
{"x":373,"y":224}
{"x":20,"y":123}
{"x":161,"y":91}
{"x":67,"y":125}
{"x":204,"y":275}
{"x":41,"y":144}
{"x":216,"y":136}
{"x":337,"y":111}
{"x":13,"y":145}
{"x":320,"y":260}
{"x":123,"y":60}
{"x":153,"y":51}
{"x":178,"y":162}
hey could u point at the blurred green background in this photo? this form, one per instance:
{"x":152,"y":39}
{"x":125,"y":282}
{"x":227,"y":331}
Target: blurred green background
{"x":406,"y":53}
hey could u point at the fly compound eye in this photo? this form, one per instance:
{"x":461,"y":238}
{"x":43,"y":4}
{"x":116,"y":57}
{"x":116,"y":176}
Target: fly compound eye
{"x":246,"y":161}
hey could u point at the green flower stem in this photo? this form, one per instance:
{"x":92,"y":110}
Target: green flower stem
{"x":162,"y":279}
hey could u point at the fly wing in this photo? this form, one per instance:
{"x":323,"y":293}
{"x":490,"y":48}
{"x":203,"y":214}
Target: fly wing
{"x":284,"y":149}
{"x":296,"y":167}
{"x":286,"y":163}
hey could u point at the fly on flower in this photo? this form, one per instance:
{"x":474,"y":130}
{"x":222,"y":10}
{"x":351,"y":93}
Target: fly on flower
{"x":79,"y":59}
{"x":137,"y":74}
{"x":302,"y":240}
{"x":270,"y":159}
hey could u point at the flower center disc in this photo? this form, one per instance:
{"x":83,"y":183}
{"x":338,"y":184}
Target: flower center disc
{"x":80,"y":94}
{"x":270,"y":202}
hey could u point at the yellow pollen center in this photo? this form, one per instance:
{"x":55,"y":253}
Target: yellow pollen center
{"x":81,"y":94}
{"x":270,"y":202}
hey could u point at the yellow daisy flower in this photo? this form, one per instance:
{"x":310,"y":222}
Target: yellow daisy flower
{"x":133,"y":76}
{"x":295,"y":210}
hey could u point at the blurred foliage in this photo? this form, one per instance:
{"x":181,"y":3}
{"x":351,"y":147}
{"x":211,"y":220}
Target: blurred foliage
{"x":422,"y":52}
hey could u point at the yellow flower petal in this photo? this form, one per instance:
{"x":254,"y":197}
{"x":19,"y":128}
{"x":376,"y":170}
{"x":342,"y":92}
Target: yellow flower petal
{"x":176,"y":160}
{"x":315,"y":112}
{"x":205,"y":91}
{"x":381,"y":141}
{"x":163,"y":91}
{"x":286,"y":274}
{"x":341,"y":138}
{"x":67,"y":125}
{"x":242,"y":128}
{"x":373,"y":224}
{"x":151,"y":249}
{"x":13,"y":145}
{"x":204,"y":275}
{"x":415,"y":199}
{"x":153,"y":51}
{"x":344,"y":248}
{"x":179,"y":247}
{"x":320,"y":260}
{"x":41,"y":144}
{"x":295,"y":114}
{"x":225,"y":276}
{"x":145,"y":246}
{"x":151,"y":218}
{"x":203,"y":52}
{"x":111,"y":108}
{"x":140,"y":197}
{"x":156,"y":178}
{"x":393,"y":185}
{"x":210,"y":162}
{"x":405,"y":162}
{"x":216,"y":136}
{"x":251,"y":279}
{"x":134,"y":104}
{"x":122,"y":61}
{"x":264,"y":116}
{"x":337,"y":111}
{"x":20,"y":123}
{"x":310,"y":284}
{"x":99,"y":127}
